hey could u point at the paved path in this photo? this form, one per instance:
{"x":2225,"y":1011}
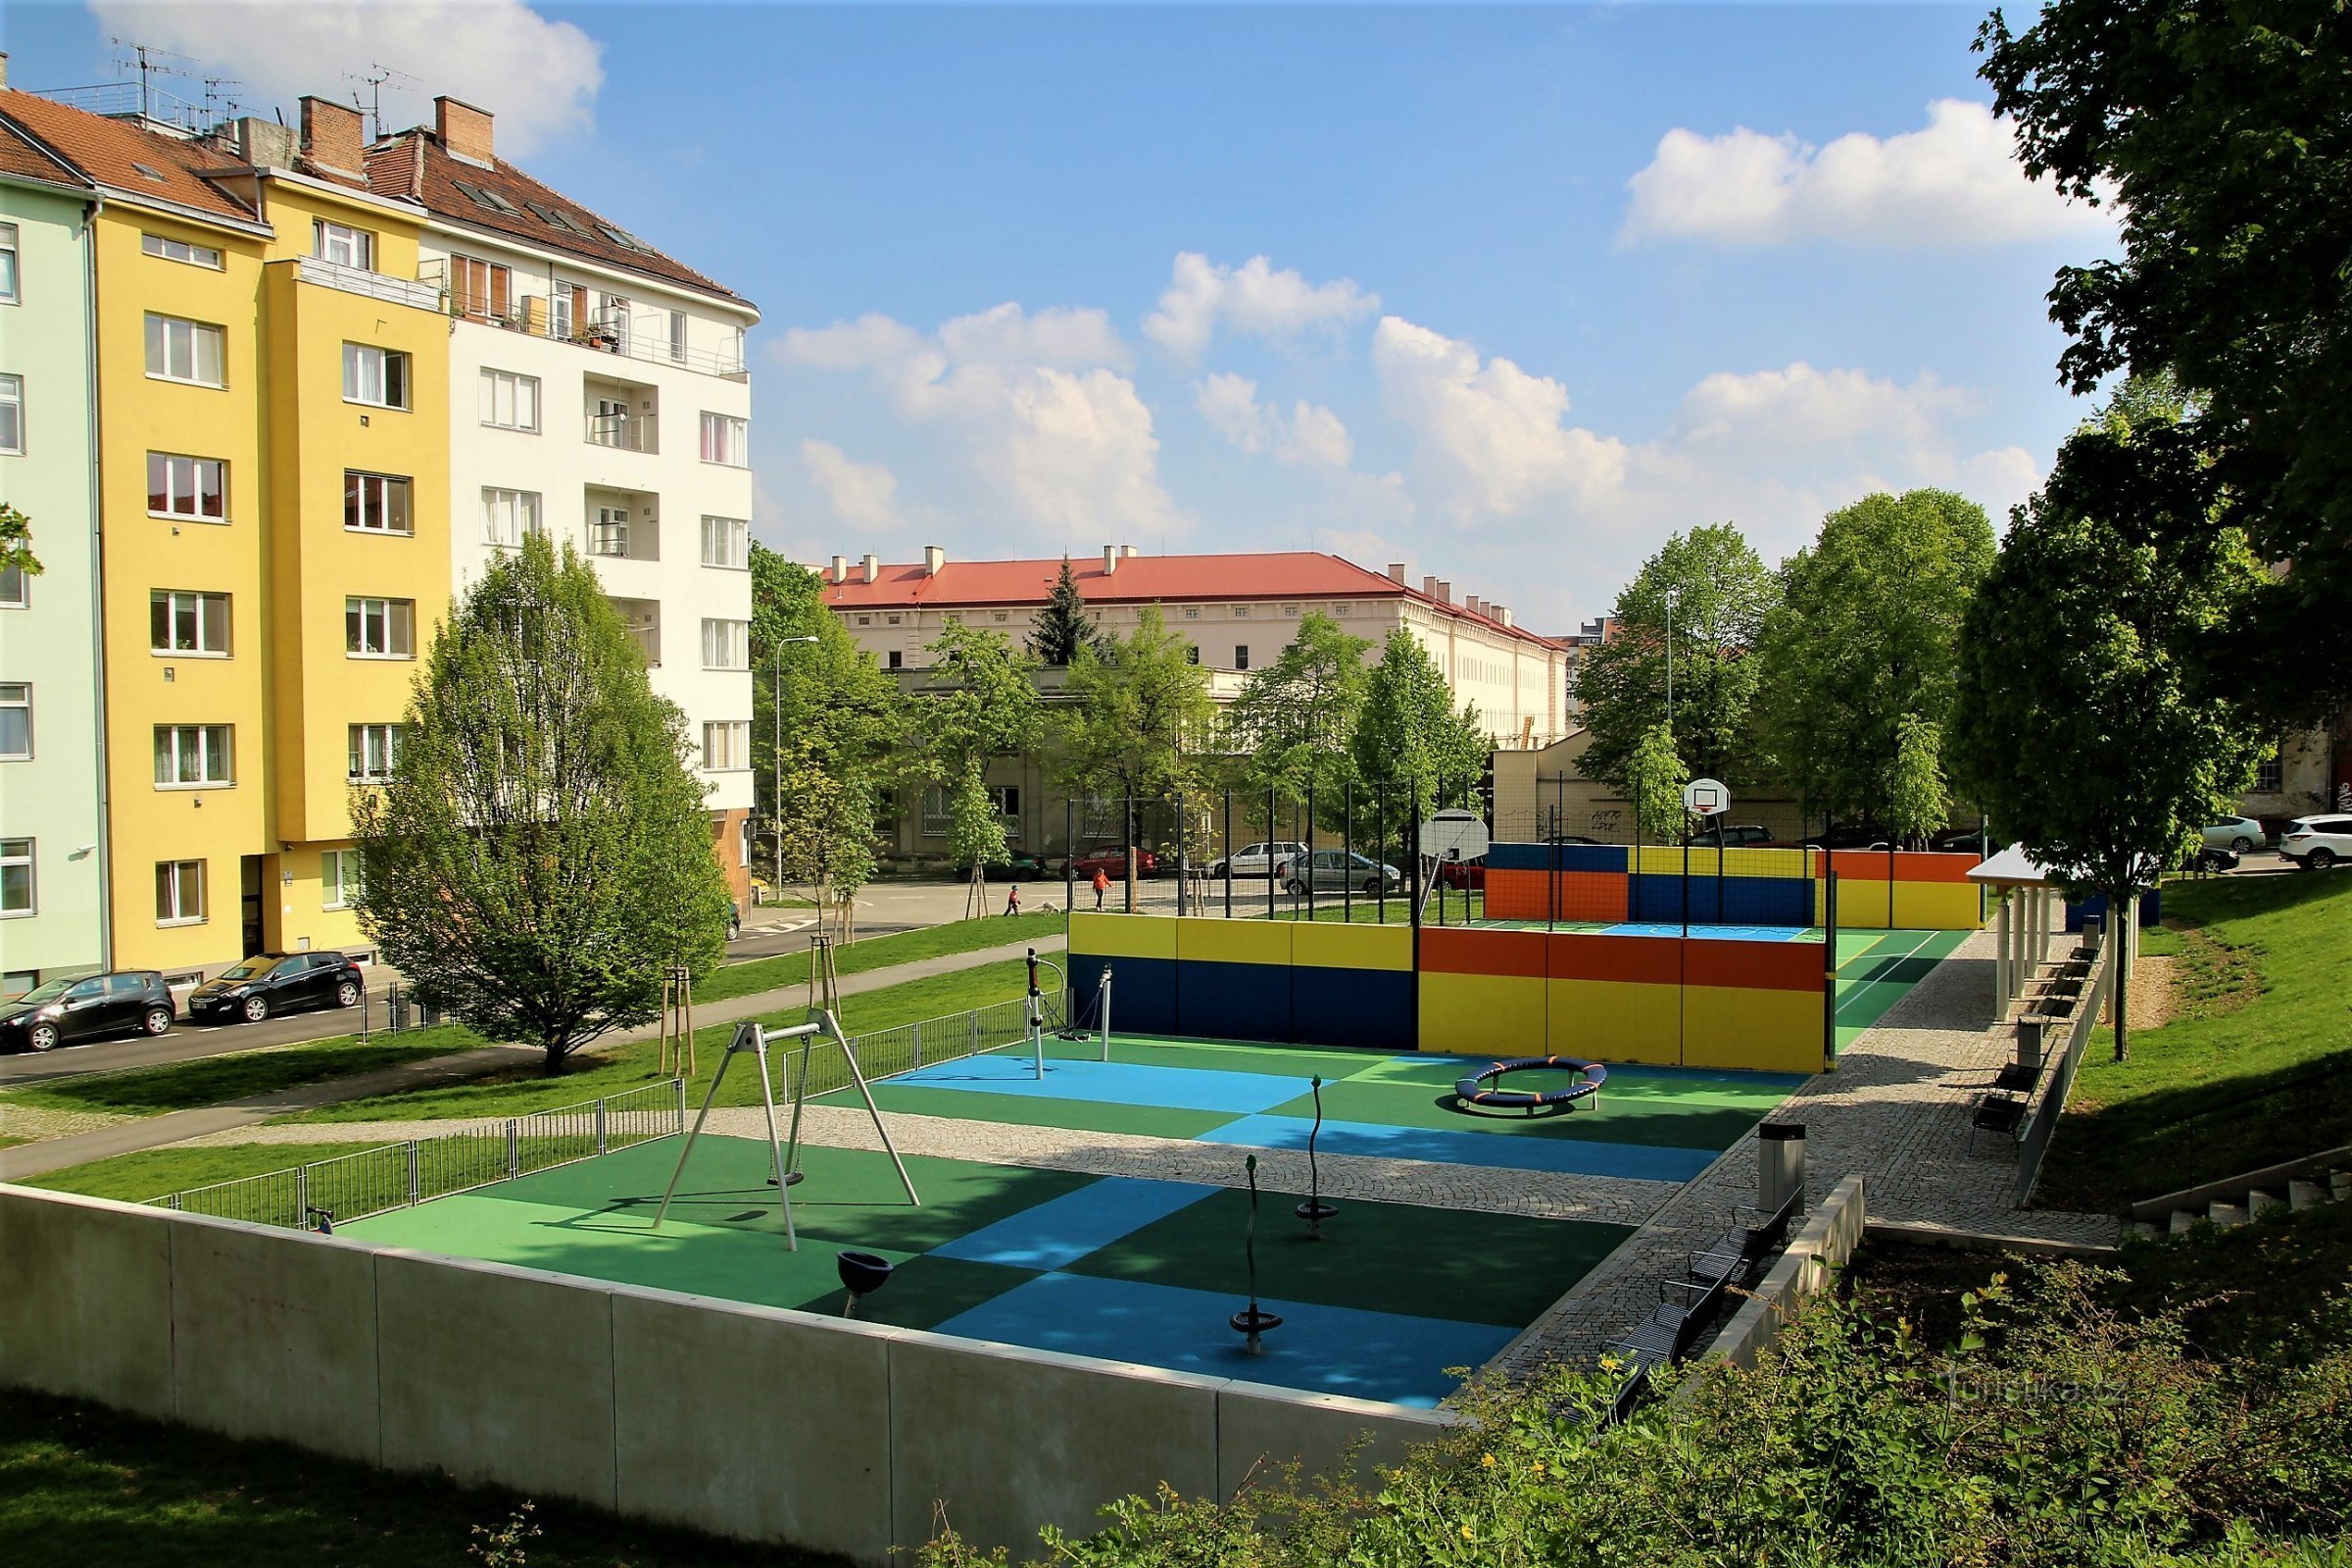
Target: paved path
{"x":235,"y":1121}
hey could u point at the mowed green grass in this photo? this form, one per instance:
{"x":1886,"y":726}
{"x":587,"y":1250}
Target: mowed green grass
{"x":2254,"y":1069}
{"x":754,"y":975}
{"x":153,"y":1173}
{"x":241,"y":1075}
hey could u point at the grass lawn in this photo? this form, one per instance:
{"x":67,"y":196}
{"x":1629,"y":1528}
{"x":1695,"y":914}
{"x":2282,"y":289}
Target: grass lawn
{"x":637,"y":1063}
{"x":217,"y":1079}
{"x":79,"y":1485}
{"x":153,"y":1173}
{"x":2256,"y":1066}
{"x":754,"y":975}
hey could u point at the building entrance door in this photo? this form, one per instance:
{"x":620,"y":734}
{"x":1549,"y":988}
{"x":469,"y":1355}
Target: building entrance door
{"x":249,"y":886}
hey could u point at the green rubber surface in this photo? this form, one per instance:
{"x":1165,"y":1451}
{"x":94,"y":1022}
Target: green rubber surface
{"x":1081,"y":1115}
{"x":1657,"y":1124}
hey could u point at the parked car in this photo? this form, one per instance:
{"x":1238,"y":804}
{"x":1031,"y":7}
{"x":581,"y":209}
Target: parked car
{"x":2237,"y":834}
{"x":62,"y":1011}
{"x":1851,"y":836}
{"x":2213,"y":862}
{"x":1333,"y":870}
{"x":279,"y":982}
{"x":1259,"y":859}
{"x":1730,"y":836}
{"x":1958,"y":841}
{"x":1018,"y":865}
{"x":1111,"y":860}
{"x":1466,"y":874}
{"x":2316,"y":843}
{"x":1569,"y":838}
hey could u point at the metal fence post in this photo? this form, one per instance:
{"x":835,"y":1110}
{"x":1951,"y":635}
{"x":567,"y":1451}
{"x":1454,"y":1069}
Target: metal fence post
{"x":416,"y":1174}
{"x":302,"y":1194}
{"x":600,"y":1124}
{"x":679,"y":1084}
{"x":974,"y":1016}
{"x":918,"y":1042}
{"x":514,"y":1148}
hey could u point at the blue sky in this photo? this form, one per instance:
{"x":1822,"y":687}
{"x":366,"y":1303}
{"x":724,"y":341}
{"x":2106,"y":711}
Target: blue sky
{"x":1540,"y":284}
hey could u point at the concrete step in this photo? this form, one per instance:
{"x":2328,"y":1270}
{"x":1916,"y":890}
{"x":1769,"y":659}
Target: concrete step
{"x":2261,"y":1198}
{"x":2302,"y":1195}
{"x":2145,"y":1228}
{"x":2183,"y":1220}
{"x":2225,"y":1216}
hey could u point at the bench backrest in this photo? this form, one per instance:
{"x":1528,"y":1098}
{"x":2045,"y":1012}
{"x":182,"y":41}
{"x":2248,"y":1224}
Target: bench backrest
{"x":1695,"y":1316}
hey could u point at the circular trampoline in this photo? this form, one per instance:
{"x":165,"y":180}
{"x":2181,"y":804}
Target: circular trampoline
{"x":1473,"y":1093}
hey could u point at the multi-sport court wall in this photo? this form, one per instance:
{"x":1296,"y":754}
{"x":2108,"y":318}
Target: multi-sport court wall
{"x":1605,"y":883}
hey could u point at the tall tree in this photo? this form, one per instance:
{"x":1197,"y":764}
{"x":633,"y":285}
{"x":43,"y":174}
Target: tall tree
{"x":982,"y":704}
{"x":2218,"y":134}
{"x":542,"y":851}
{"x":2078,"y":723}
{"x":1865,"y":636}
{"x":1654,"y":776}
{"x":1293,"y":721}
{"x":1141,"y":720}
{"x":975,"y":832}
{"x":1721,"y":593}
{"x":1408,"y":734}
{"x":1919,"y":800}
{"x":1062,"y":627}
{"x":826,"y":831}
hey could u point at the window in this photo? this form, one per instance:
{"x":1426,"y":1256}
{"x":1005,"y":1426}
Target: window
{"x":379,"y":628}
{"x":744,"y":837}
{"x":1241,"y":611}
{"x":998,"y":616}
{"x":508,"y":516}
{"x":178,"y":892}
{"x":376,"y":502}
{"x":726,"y":645}
{"x":935,"y":813}
{"x":725,"y":439}
{"x":338,"y":879}
{"x":727,"y":746}
{"x":375,"y":752}
{"x":343,"y":245}
{"x":1005,"y":798}
{"x":16,"y":877}
{"x":482,"y":290}
{"x":8,"y":281}
{"x":1191,"y":655}
{"x":866,"y":620}
{"x":14,"y":587}
{"x":1191,"y":612}
{"x":893,"y":618}
{"x":375,"y":377}
{"x":897,"y":660}
{"x":187,"y":487}
{"x":677,"y":336}
{"x":613,"y":318}
{"x":11,"y":414}
{"x":184,"y":622}
{"x":185,"y":351}
{"x":193,"y":753}
{"x":16,"y":722}
{"x":1240,"y":656}
{"x":1343,"y":609}
{"x":566,"y":308}
{"x":608,"y":534}
{"x":726,"y":542}
{"x":179,"y":250}
{"x":509,"y":402}
{"x":2269,"y":776}
{"x":489,"y":200}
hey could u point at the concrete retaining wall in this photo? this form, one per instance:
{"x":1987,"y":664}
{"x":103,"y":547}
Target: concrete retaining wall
{"x":1829,"y":1238}
{"x":745,"y":1421}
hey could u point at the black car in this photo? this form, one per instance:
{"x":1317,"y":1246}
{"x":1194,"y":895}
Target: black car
{"x":279,"y":982}
{"x":1018,"y":865}
{"x":1730,"y":836}
{"x":1851,"y":836}
{"x":65,"y":1010}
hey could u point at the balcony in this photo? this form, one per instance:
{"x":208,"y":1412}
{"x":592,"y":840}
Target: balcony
{"x":537,"y":316}
{"x":643,"y":618}
{"x":622,"y":525}
{"x":420,"y":296}
{"x":622,"y":416}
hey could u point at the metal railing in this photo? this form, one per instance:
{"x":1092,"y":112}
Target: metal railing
{"x":887,"y":1053}
{"x":628,"y":432}
{"x":373,"y":285}
{"x":373,"y":1181}
{"x":529,"y":314}
{"x":2033,"y":1137}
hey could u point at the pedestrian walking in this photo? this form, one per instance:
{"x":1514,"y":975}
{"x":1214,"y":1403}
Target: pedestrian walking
{"x":1101,"y":885}
{"x":1012,"y":900}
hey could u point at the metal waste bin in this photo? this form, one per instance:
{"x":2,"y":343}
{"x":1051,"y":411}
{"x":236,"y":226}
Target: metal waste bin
{"x":1779,"y":1162}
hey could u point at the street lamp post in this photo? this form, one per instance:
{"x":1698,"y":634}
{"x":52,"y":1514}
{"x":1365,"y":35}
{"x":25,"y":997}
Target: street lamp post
{"x":776,"y":774}
{"x":1672,"y":594}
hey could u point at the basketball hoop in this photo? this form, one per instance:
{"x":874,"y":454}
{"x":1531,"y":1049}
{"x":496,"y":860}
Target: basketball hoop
{"x":1704,"y":797}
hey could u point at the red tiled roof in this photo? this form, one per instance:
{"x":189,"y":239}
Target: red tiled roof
{"x":120,"y":153}
{"x":1139,"y":580}
{"x":22,"y":157}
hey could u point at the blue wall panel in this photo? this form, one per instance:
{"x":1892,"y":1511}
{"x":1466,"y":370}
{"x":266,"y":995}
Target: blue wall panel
{"x":1142,"y":992}
{"x":1226,"y":1000}
{"x":1519,"y":857}
{"x":1760,"y":900}
{"x":1658,"y":898}
{"x":1372,"y":1009}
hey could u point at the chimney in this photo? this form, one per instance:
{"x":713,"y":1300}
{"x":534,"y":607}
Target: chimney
{"x":1444,"y":590}
{"x":1475,"y":606}
{"x":1110,"y":560}
{"x":1396,"y":572}
{"x":330,"y":135}
{"x":3,"y":68}
{"x":1502,"y":613}
{"x":1125,"y":551}
{"x":934,"y":558}
{"x":464,"y":129}
{"x":1429,"y":586}
{"x":871,"y":566}
{"x":840,"y":569}
{"x":264,"y":143}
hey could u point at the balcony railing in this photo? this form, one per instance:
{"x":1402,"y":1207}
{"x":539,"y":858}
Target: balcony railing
{"x":531,"y":315}
{"x":375,"y":285}
{"x":631,"y":432}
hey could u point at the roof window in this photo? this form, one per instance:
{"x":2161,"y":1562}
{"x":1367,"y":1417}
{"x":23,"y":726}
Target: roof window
{"x":488,"y":199}
{"x":154,"y":174}
{"x":556,"y":219}
{"x":623,"y":238}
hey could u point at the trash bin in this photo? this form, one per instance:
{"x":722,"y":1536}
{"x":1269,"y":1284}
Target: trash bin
{"x":1779,"y":1162}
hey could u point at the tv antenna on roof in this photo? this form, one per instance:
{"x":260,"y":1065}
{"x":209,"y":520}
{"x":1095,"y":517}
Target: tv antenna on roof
{"x":148,"y":62}
{"x":373,"y":79}
{"x":219,"y":98}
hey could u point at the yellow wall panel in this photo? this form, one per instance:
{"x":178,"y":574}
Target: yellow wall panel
{"x":1757,"y":1031}
{"x":1615,"y":1020}
{"x":1215,"y":941}
{"x":1860,"y":902}
{"x":1935,"y":906}
{"x":1483,"y":1015}
{"x":1666,"y":860}
{"x":1323,"y":945}
{"x":1123,"y":936}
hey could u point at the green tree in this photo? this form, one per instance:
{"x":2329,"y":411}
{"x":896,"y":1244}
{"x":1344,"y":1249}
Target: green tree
{"x":542,"y":851}
{"x":1655,"y":778}
{"x":1292,"y":723}
{"x":16,"y":542}
{"x":975,"y":832}
{"x":1408,"y":734}
{"x":826,"y":833}
{"x":1721,"y":592}
{"x":2078,"y":723}
{"x":982,"y":703}
{"x":1865,"y":636}
{"x":2217,"y":132}
{"x":1918,"y":800}
{"x":1062,"y":627}
{"x":1140,"y":721}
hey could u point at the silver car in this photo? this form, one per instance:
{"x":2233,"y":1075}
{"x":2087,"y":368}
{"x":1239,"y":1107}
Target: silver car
{"x":1258,"y":860}
{"x":1336,"y":871}
{"x":2237,"y":834}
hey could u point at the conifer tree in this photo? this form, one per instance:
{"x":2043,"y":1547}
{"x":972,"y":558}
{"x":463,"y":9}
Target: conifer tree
{"x":1063,"y":627}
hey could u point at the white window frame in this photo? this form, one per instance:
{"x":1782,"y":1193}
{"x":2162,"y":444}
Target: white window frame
{"x":166,"y":333}
{"x":165,"y":248}
{"x":12,"y":414}
{"x":358,"y":245}
{"x":509,"y":512}
{"x":609,"y":527}
{"x":726,"y":746}
{"x":182,"y":873}
{"x":340,"y":878}
{"x":514,"y":389}
{"x":16,"y":588}
{"x":215,"y":758}
{"x":368,"y":374}
{"x":727,"y":436}
{"x":372,"y":752}
{"x":935,"y":816}
{"x":12,"y":281}
{"x":726,"y":644}
{"x":375,"y":518}
{"x":677,"y":336}
{"x":377,"y":621}
{"x":16,"y":696}
{"x":187,"y":475}
{"x":732,"y":538}
{"x":195,"y":603}
{"x":14,"y":855}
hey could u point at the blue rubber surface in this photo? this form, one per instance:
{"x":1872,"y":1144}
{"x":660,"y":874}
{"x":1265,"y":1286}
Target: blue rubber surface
{"x":1714,"y":933}
{"x":1366,"y":1355}
{"x":1013,"y":1072}
{"x":1572,"y":1156}
{"x":1064,"y":1229}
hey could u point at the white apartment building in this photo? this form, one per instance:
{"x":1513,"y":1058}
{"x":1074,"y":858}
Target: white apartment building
{"x":599,"y":395}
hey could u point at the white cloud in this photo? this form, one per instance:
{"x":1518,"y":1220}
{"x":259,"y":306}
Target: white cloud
{"x":1801,"y":407}
{"x":1491,"y":438}
{"x":1956,"y":182}
{"x":1251,"y":299}
{"x":1308,"y":435}
{"x":864,"y":495}
{"x":1035,"y":403}
{"x":539,"y":77}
